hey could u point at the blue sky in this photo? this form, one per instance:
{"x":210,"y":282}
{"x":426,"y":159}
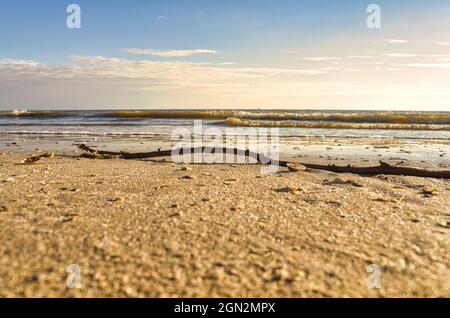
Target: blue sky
{"x":230,"y":54}
{"x":107,"y":27}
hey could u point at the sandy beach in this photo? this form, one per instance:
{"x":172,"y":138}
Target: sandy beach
{"x":141,"y":228}
{"x":312,"y":138}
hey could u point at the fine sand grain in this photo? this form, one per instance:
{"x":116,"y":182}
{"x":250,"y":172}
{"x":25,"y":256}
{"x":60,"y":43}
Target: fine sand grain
{"x":157,"y":229}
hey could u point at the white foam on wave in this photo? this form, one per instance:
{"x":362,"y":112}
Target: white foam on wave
{"x":77,"y":133}
{"x":18,"y":112}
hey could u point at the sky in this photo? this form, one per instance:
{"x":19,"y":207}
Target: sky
{"x":174,"y":54}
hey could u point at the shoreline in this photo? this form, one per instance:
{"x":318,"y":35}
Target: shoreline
{"x":144,"y":228}
{"x":428,"y":154}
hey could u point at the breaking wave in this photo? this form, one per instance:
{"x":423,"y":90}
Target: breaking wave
{"x":173,"y":114}
{"x":254,"y":118}
{"x":36,"y":114}
{"x":379,"y":117}
{"x":333,"y":125}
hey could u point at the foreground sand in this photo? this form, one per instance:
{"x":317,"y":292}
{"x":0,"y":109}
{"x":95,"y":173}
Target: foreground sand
{"x":137,"y":228}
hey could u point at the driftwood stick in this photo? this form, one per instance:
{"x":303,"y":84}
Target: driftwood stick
{"x":181,"y":151}
{"x":383,"y":168}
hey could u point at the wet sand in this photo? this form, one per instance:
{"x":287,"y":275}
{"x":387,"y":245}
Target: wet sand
{"x":158,"y":229}
{"x":431,"y":154}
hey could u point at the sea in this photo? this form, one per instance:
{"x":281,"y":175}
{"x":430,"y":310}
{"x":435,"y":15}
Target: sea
{"x":329,"y":135}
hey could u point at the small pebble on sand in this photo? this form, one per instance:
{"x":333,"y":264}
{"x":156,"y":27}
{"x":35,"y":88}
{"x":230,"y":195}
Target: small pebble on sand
{"x":430,"y":191}
{"x":296,"y":167}
{"x":289,"y":190}
{"x":188,"y":177}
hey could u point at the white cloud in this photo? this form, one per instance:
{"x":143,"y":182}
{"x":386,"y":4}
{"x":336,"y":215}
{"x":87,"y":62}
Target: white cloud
{"x":334,"y":58}
{"x":328,"y":68}
{"x":89,"y":81}
{"x":100,"y":80}
{"x":165,"y":72}
{"x":159,"y":18}
{"x":361,"y":57}
{"x":321,"y":58}
{"x":168,"y":53}
{"x":429,"y":65}
{"x":443,"y":43}
{"x":14,"y":62}
{"x":396,"y":41}
{"x":437,"y":55}
{"x":354,"y":70}
{"x":399,"y":55}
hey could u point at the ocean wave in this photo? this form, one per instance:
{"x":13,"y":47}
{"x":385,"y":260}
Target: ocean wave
{"x":285,"y":135}
{"x":72,"y":124}
{"x":82,"y":133}
{"x":24,"y":113}
{"x":292,"y":118}
{"x":233,"y":121}
{"x":378,"y":117}
{"x":173,"y":114}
